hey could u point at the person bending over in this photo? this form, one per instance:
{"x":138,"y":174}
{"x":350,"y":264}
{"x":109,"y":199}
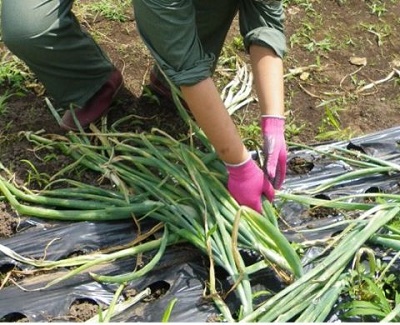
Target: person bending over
{"x":185,"y":38}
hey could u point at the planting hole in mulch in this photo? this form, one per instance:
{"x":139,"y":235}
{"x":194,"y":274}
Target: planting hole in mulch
{"x":83,"y":309}
{"x":5,"y":268}
{"x":372,"y":189}
{"x":77,"y":253}
{"x":9,"y":274}
{"x":300,"y":165}
{"x":129,"y":293}
{"x":320,"y":212}
{"x":158,"y":289}
{"x":15,"y":318}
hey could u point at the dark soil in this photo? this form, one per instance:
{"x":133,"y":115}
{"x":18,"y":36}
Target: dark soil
{"x":338,"y":31}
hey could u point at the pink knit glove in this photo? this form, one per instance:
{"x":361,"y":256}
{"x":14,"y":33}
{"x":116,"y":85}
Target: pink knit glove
{"x":247,"y":182}
{"x":273,"y":130}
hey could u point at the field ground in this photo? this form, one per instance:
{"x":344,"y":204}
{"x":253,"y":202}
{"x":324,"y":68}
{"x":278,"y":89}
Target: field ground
{"x":342,"y":74}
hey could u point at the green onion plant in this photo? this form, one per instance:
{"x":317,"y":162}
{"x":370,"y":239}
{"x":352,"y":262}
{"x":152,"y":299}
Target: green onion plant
{"x":181,"y":184}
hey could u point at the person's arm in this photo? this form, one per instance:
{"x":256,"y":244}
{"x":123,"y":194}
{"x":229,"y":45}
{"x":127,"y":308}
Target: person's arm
{"x":208,"y":109}
{"x":267,"y":69}
{"x":246,"y":180}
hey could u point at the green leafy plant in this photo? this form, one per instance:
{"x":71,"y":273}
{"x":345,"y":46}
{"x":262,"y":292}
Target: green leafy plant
{"x":250,"y":131}
{"x":377,"y":8}
{"x":147,"y":93}
{"x":373,"y":293}
{"x":325,"y":45}
{"x":115,"y":10}
{"x":34,"y":176}
{"x":330,"y":127}
{"x":3,"y":102}
{"x":14,"y":74}
{"x":168,"y":310}
{"x":292,"y":129}
{"x":380,"y":31}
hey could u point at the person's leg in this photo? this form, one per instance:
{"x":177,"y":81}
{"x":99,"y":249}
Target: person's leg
{"x":262,"y":23}
{"x":47,"y":37}
{"x":169,"y":31}
{"x":213,"y":21}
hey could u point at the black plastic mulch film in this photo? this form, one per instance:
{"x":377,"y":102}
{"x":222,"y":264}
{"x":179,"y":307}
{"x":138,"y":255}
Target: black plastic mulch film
{"x":182,"y":271}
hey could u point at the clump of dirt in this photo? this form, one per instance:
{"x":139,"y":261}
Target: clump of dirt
{"x":83,"y":310}
{"x":322,"y":212}
{"x":300,"y":165}
{"x":8,"y":221}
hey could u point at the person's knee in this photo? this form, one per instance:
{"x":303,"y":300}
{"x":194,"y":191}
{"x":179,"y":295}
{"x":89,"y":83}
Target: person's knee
{"x":21,"y":31}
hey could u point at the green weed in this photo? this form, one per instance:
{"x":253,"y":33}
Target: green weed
{"x":13,"y":73}
{"x":237,"y":43}
{"x":250,"y":131}
{"x":292,"y":129}
{"x":380,"y":31}
{"x":151,"y":97}
{"x":35,"y":176}
{"x":229,"y":54}
{"x":330,"y":127}
{"x":377,"y":8}
{"x":115,"y":10}
{"x":325,"y":45}
{"x":307,"y":5}
{"x":372,"y":291}
{"x":3,"y":102}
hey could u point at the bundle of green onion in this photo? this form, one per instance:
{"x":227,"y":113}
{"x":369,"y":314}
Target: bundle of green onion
{"x":169,"y":180}
{"x":173,"y":182}
{"x":182,"y":186}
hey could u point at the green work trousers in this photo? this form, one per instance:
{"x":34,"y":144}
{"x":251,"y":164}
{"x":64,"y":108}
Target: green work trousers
{"x":186,"y":36}
{"x":47,"y":37}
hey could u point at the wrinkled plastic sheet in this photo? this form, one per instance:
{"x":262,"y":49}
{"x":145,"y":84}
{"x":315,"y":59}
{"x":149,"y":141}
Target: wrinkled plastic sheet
{"x":182,"y":271}
{"x":320,"y":169}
